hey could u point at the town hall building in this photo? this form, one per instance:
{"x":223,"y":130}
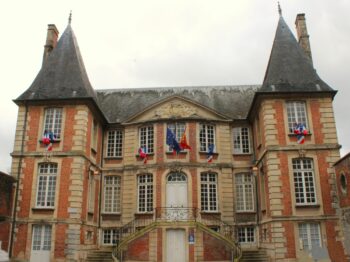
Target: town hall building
{"x":207,"y":173}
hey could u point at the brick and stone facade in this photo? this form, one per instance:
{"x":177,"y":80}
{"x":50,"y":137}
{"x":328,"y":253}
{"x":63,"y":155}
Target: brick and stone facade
{"x":253,"y":191}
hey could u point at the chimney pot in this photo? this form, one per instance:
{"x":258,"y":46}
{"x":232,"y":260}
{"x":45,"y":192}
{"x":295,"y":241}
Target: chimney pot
{"x":303,"y":36}
{"x":51,"y":41}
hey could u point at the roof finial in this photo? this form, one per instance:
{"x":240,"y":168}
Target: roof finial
{"x":70,"y":17}
{"x":279,"y":9}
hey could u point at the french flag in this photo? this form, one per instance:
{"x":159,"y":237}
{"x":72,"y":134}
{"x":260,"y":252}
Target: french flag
{"x":210,"y":154}
{"x":300,"y":131}
{"x":143,"y":154}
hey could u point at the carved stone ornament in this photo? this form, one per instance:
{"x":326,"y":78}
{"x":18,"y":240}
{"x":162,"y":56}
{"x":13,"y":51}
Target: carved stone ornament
{"x":302,"y":152}
{"x":175,"y":109}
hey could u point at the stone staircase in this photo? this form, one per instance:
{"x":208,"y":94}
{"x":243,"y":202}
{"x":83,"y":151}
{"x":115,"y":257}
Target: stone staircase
{"x":257,"y":255}
{"x":99,"y":256}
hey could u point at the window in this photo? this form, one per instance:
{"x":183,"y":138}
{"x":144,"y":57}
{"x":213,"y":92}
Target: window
{"x":244,"y":192}
{"x":145,"y":193}
{"x":343,"y":183}
{"x":112,"y":194}
{"x":296,"y":112}
{"x":146,"y":138}
{"x":91,"y":192}
{"x":46,"y":185}
{"x":177,"y":129}
{"x":115,"y":143}
{"x":94,"y":133}
{"x":241,"y":140}
{"x":41,"y":237}
{"x":53,"y":121}
{"x":310,"y":235}
{"x":110,"y":236}
{"x":304,"y":184}
{"x":206,"y":137}
{"x":246,"y":234}
{"x":209,"y":186}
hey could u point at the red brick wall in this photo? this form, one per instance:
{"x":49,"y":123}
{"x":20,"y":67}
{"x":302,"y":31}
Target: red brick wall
{"x":324,"y":181}
{"x":214,"y":250}
{"x":317,"y":125}
{"x":60,"y":240}
{"x":335,"y":248}
{"x":289,"y":234}
{"x":139,"y":249}
{"x":68,"y":132}
{"x":5,"y":228}
{"x":64,"y":178}
{"x":278,"y":106}
{"x":286,"y":191}
{"x":343,"y":167}
{"x":20,"y":240}
{"x":26,"y":192}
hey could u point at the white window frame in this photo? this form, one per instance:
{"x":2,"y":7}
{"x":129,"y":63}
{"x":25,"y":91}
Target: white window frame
{"x":112,"y":195}
{"x":304,"y":182}
{"x":296,"y":114}
{"x":46,"y":185}
{"x":209,"y":192}
{"x":241,"y":140}
{"x":244,"y":192}
{"x":145,"y":192}
{"x":146,"y":138}
{"x":91,"y":192}
{"x":110,"y":236}
{"x":206,"y":137}
{"x":177,"y":128}
{"x":53,"y":121}
{"x":246,"y":234}
{"x":115,"y":143}
{"x":310,"y":235}
{"x":41,"y":237}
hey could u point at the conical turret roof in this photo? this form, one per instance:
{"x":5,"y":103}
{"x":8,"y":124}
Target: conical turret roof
{"x":289,"y":68}
{"x":63,"y":75}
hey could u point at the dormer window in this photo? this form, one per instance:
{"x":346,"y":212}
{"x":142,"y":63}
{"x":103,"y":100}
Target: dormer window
{"x":53,"y":121}
{"x":241,"y":143}
{"x":296,"y":112}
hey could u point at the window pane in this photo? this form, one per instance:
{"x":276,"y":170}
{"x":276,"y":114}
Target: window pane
{"x":112,"y":194}
{"x":146,"y":138}
{"x":46,"y":189}
{"x":244,"y":192}
{"x":206,"y":137}
{"x":296,"y":112}
{"x":53,"y":120}
{"x":209,"y":192}
{"x":145,"y":193}
{"x":304,"y":184}
{"x":115,"y":143}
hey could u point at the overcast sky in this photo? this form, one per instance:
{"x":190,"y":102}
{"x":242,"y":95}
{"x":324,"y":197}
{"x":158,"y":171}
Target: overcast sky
{"x":156,"y":43}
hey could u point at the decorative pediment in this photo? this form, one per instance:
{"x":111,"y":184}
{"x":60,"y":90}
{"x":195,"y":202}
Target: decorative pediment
{"x":176,"y":108}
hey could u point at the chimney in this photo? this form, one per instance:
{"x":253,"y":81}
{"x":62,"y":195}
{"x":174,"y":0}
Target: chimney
{"x":51,"y":41}
{"x":303,"y":36}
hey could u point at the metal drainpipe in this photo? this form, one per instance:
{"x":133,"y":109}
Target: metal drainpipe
{"x":18,"y":181}
{"x":101,"y":181}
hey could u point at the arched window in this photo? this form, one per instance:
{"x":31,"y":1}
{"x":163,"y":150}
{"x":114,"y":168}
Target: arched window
{"x":176,"y":177}
{"x":343,"y":183}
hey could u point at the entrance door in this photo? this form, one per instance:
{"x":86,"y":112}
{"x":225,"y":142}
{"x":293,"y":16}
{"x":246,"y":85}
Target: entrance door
{"x":41,"y":243}
{"x":176,"y":245}
{"x":176,"y":197}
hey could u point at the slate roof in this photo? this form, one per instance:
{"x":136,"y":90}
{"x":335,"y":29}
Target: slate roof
{"x":63,"y":75}
{"x":289,"y":69}
{"x":119,"y":105}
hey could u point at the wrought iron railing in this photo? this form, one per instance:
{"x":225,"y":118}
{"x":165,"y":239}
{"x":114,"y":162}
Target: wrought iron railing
{"x":175,"y":214}
{"x":212,"y":223}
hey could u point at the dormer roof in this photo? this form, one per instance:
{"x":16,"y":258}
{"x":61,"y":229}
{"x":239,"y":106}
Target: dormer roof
{"x":289,"y":68}
{"x":62,"y":76}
